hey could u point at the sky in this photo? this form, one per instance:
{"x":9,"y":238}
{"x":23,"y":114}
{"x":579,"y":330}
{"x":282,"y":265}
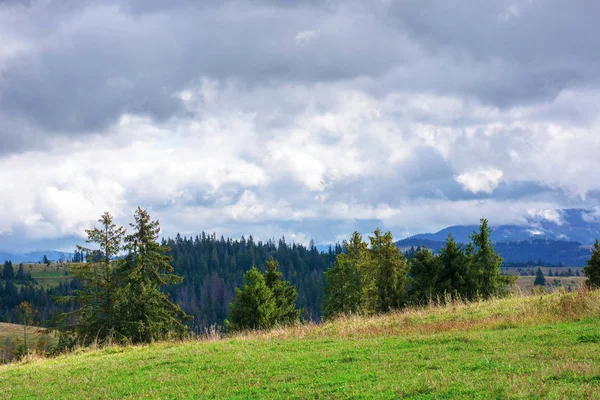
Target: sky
{"x":309,"y":119}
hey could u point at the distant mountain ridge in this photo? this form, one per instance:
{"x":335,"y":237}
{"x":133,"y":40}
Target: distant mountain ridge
{"x":562,"y":236}
{"x":34,"y":257}
{"x":575,"y":225}
{"x":572,"y":254}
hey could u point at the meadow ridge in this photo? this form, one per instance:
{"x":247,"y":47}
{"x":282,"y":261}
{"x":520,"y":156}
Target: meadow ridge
{"x":542,"y":346}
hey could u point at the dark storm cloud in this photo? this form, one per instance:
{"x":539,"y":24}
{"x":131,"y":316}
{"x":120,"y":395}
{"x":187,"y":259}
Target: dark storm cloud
{"x":91,"y":62}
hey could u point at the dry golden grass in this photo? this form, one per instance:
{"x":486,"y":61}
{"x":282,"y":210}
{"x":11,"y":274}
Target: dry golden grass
{"x":451,"y":316}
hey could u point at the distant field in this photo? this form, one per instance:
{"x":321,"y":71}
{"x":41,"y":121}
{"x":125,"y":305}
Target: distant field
{"x":519,"y":348}
{"x":49,"y":276}
{"x":545,"y":270}
{"x":15,"y":332}
{"x":525,"y":283}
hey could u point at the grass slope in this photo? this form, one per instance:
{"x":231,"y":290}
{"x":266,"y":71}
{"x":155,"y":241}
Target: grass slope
{"x":521,"y":347}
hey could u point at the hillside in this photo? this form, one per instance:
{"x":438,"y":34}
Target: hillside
{"x":520,"y":347}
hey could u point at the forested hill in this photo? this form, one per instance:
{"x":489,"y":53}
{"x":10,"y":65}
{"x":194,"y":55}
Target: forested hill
{"x":213,"y":267}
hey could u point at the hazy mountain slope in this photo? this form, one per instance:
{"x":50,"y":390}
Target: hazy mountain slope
{"x":574,"y":225}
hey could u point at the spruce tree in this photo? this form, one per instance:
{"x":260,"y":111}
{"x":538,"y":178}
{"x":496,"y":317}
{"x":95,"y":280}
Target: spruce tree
{"x":454,"y":269}
{"x":284,"y":292}
{"x":146,"y":270}
{"x":592,"y":269}
{"x":540,"y":280}
{"x":101,"y":299}
{"x":485,"y":266}
{"x":426,"y":273}
{"x":254,"y":305}
{"x":8,"y":273}
{"x":391,"y":271}
{"x":342,"y":288}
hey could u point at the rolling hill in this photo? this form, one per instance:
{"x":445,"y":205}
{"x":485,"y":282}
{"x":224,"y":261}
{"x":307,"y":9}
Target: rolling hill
{"x":519,"y":347}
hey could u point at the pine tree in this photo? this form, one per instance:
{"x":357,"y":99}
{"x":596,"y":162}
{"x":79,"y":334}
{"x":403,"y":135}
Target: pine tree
{"x":101,"y":299}
{"x":8,"y":273}
{"x":342,"y":288}
{"x":285,"y":294}
{"x":254,"y":305}
{"x":426,"y":273}
{"x":592,"y":269}
{"x":486,"y":265}
{"x":392,"y":270}
{"x":540,"y":280}
{"x":20,"y":275}
{"x":360,"y":257}
{"x":149,"y":314}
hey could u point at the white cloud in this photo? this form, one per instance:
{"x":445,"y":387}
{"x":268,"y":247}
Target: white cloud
{"x":304,"y":37}
{"x":341,"y":117}
{"x":550,"y":215}
{"x":480,"y":181}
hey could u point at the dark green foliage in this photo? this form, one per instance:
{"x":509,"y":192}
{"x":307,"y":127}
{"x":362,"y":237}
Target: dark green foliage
{"x":366,"y":280}
{"x":455,"y":279}
{"x":285,"y":294}
{"x":254,"y":306}
{"x":426,"y":273}
{"x":486,"y":264}
{"x":8,"y":273}
{"x":342,"y":288}
{"x":540,"y":280}
{"x":265,"y":300}
{"x":592,"y":269}
{"x":100,"y":300}
{"x":390,"y":270}
{"x":148,"y":314}
{"x":213,"y":267}
{"x":467,"y":272}
{"x":121,"y":299}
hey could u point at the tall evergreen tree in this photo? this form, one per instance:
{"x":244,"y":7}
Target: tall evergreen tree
{"x":285,"y":294}
{"x":361,"y":259}
{"x":149,"y":315}
{"x":392,"y":270}
{"x":342,"y":288}
{"x":486,"y":265}
{"x":8,"y":273}
{"x":454,"y":265}
{"x":100,"y":300}
{"x":254,"y":305}
{"x":540,"y":280}
{"x":592,"y":268}
{"x":426,"y":274}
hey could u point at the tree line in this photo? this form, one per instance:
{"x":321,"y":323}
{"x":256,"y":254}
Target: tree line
{"x":129,"y":290}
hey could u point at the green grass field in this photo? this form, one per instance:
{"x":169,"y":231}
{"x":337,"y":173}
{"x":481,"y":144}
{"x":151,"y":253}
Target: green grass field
{"x":520,"y":347}
{"x":49,"y":276}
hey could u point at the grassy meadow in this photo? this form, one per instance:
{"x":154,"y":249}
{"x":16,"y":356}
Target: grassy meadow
{"x":14,"y":333}
{"x":49,"y":276}
{"x":518,"y":347}
{"x":553,"y":283}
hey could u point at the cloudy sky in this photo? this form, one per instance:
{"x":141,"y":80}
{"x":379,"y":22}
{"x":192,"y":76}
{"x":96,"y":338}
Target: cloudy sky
{"x":308,"y":119}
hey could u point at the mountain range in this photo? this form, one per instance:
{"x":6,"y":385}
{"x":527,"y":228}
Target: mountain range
{"x":575,"y":225}
{"x":34,"y":257}
{"x":561,"y":236}
{"x":557,"y":237}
